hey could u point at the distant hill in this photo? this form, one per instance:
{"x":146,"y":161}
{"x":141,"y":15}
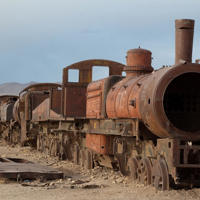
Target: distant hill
{"x":13,"y":87}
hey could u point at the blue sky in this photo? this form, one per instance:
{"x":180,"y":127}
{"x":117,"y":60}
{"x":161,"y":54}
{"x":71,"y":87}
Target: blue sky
{"x":40,"y":37}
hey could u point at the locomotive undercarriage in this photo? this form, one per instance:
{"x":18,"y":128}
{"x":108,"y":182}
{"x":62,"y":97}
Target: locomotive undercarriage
{"x":148,"y":160}
{"x":126,"y":146}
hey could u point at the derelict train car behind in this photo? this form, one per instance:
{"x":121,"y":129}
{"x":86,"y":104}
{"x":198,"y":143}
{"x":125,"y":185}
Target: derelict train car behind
{"x":6,"y":114}
{"x":32,"y":100}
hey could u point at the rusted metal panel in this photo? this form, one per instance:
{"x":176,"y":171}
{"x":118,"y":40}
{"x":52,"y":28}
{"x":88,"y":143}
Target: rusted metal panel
{"x":41,"y":113}
{"x":184,"y":40}
{"x":120,"y":127}
{"x":94,"y":99}
{"x":101,"y":144}
{"x":96,"y":96}
{"x":55,"y":101}
{"x":39,"y":107}
{"x":46,"y":106}
{"x":20,"y":169}
{"x":123,"y":98}
{"x":32,"y":101}
{"x":75,"y":100}
{"x":37,"y":99}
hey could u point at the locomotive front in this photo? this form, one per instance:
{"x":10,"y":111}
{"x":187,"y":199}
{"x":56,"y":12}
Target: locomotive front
{"x":166,"y":100}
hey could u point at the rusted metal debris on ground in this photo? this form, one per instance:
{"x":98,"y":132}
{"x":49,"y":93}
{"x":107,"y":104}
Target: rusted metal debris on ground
{"x":21,"y":169}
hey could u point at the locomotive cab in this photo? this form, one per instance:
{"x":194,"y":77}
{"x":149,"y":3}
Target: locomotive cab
{"x":74,"y":93}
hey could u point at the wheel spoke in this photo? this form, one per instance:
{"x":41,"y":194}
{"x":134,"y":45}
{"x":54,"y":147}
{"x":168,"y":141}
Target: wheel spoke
{"x":160,"y":175}
{"x":144,"y":171}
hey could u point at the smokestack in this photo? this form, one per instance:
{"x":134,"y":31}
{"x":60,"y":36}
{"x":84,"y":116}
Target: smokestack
{"x":184,"y":40}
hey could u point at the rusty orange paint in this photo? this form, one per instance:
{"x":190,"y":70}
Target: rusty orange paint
{"x":97,"y":143}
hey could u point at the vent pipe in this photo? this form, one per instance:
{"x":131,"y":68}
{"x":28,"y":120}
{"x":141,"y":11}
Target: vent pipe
{"x":184,"y":40}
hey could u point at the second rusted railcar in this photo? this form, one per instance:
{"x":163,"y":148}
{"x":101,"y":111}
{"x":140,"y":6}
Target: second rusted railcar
{"x":36,"y":102}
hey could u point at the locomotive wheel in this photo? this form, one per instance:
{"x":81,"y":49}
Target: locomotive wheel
{"x":133,"y":168}
{"x":144,"y":171}
{"x":122,"y":164}
{"x":160,"y":175}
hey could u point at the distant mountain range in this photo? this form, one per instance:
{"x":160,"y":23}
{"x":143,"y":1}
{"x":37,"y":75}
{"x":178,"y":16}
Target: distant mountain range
{"x":13,"y":88}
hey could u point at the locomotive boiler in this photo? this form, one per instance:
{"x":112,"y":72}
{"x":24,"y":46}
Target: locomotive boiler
{"x":145,"y":124}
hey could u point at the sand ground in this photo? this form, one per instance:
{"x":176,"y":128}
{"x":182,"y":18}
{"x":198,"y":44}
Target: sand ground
{"x":80,"y":184}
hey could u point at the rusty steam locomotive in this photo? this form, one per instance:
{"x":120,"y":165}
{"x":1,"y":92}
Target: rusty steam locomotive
{"x":146,"y":124}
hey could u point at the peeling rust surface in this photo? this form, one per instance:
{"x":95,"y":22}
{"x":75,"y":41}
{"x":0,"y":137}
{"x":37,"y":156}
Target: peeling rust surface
{"x":99,"y":143}
{"x":96,"y":96}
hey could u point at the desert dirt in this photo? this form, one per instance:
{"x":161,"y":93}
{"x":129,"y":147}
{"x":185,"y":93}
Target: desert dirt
{"x":80,"y":184}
